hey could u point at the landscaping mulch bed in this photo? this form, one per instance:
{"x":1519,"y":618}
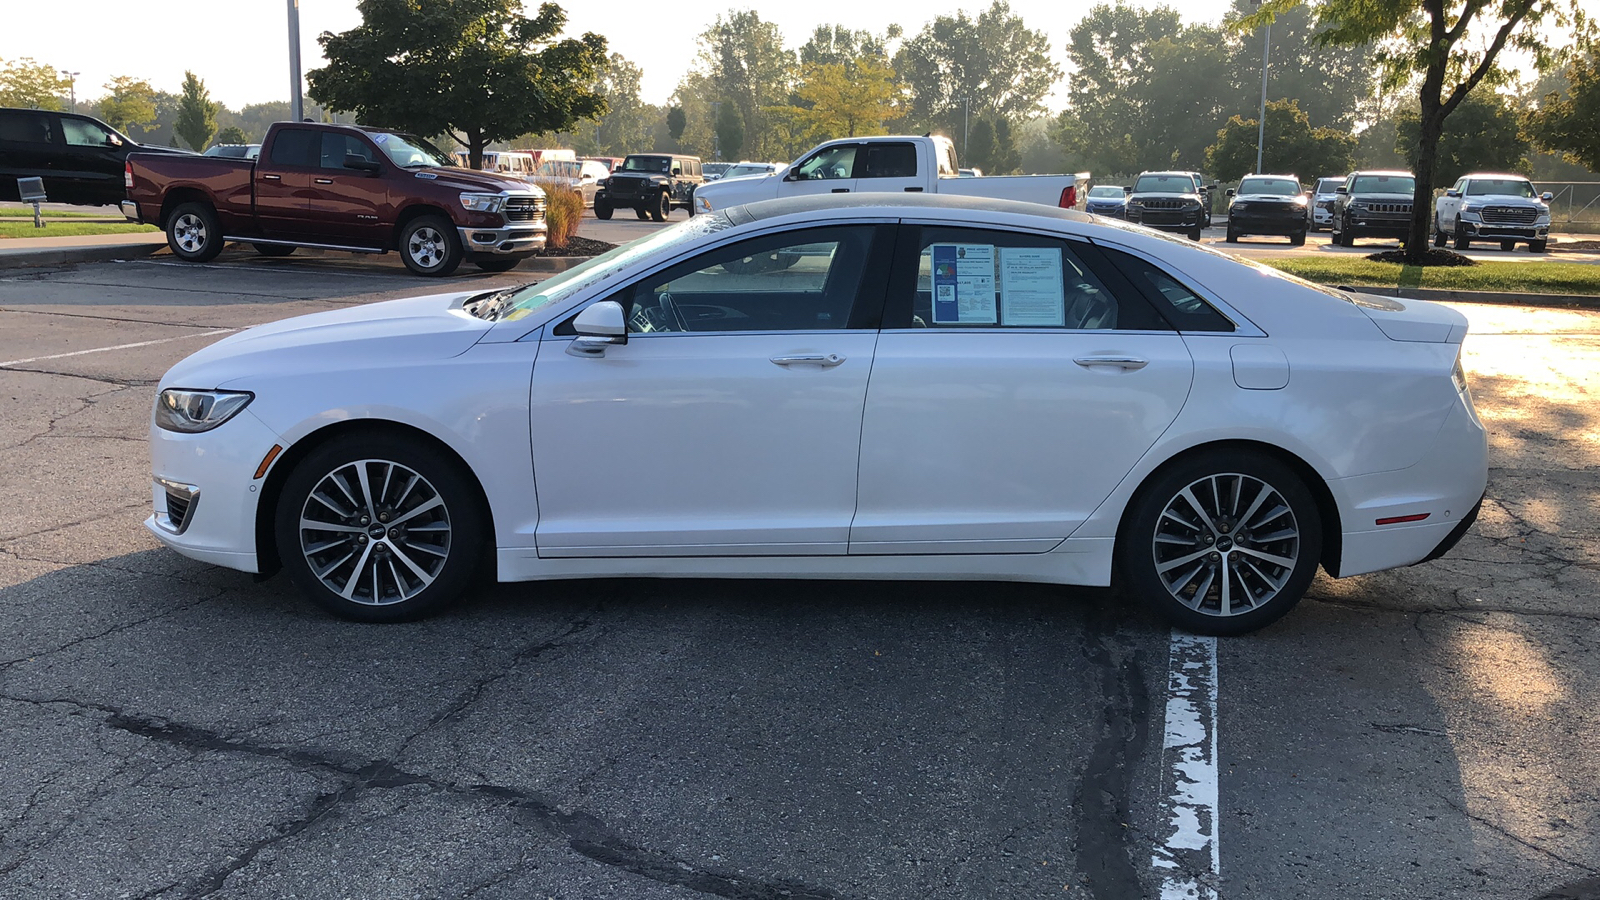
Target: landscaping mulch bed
{"x":578,"y":246}
{"x":1589,"y":246}
{"x":1434,"y":256}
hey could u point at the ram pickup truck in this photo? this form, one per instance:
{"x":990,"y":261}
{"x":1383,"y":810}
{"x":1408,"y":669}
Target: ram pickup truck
{"x":1503,"y":208}
{"x":917,"y":165}
{"x":341,"y":187}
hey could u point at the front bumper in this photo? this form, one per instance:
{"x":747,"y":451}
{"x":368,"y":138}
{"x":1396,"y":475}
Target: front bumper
{"x":216,"y":470}
{"x":1369,"y":223}
{"x":519,"y":238}
{"x":1268,"y":223}
{"x":1490,"y":231}
{"x":1115,"y":212}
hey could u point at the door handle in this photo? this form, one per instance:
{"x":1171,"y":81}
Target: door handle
{"x":1122,"y":362}
{"x":913,"y":190}
{"x":841,"y":190}
{"x":272,"y":178}
{"x":324,"y":181}
{"x":826,"y":362}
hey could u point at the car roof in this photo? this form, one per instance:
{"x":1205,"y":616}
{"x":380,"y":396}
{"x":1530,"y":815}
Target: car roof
{"x":1382,"y":172}
{"x":1497,"y":175}
{"x":904,"y":203}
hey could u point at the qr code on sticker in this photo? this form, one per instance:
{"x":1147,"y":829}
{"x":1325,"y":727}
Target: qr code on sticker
{"x":946,"y":293}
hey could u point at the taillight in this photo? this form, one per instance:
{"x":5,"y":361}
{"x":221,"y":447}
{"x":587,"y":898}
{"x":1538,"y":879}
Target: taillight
{"x":1069,"y":196}
{"x":127,"y":175}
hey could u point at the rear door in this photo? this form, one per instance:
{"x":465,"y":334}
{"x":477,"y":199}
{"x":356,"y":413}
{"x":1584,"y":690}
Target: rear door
{"x":889,"y":167}
{"x":1017,"y":380}
{"x":285,"y":176}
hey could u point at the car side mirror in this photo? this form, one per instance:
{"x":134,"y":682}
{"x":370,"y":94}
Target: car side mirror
{"x":1547,"y":196}
{"x":1230,"y":192}
{"x":1341,"y":189}
{"x":361,"y":164}
{"x":1127,"y":189}
{"x":599,"y":326}
{"x":1452,"y":193}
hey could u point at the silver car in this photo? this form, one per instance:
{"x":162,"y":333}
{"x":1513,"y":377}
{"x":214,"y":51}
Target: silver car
{"x":1319,"y":212}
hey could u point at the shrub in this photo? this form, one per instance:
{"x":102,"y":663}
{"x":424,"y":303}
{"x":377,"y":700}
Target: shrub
{"x":563,"y":212}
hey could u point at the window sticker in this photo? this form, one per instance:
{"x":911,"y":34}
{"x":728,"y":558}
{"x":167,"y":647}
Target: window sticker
{"x":380,"y":139}
{"x":963,"y":284}
{"x":1031,"y":293}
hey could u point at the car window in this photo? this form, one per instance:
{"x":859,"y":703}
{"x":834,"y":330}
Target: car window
{"x":1329,"y":185}
{"x":1383,"y":184}
{"x":335,"y":146}
{"x":1103,"y":192}
{"x":805,"y":280}
{"x":978,"y":278}
{"x":1184,"y":308}
{"x":834,"y":162}
{"x":1171,"y":184}
{"x":889,"y":161}
{"x":24,"y":127}
{"x":1280,"y":187}
{"x":295,"y":147}
{"x":83,"y":133}
{"x":1512,"y":187}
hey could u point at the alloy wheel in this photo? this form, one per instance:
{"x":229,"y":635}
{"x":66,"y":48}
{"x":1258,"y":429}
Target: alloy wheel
{"x":427,"y":247}
{"x":1226,"y":544}
{"x":189,"y":232}
{"x":375,"y":532}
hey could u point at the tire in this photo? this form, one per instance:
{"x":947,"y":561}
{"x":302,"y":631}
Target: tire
{"x":1461,"y":242}
{"x":1438,"y":234}
{"x":430,"y":560}
{"x":274,"y":250}
{"x":497,"y":265}
{"x":429,"y":246}
{"x":1163,"y":526}
{"x":1508,"y":246}
{"x":1232,"y":237}
{"x":1194,"y":233}
{"x":1537,"y":246}
{"x":602,"y":208}
{"x":1298,"y":239}
{"x":662,"y":208}
{"x":1344,"y":238}
{"x":194,"y":233}
{"x":641,"y":212}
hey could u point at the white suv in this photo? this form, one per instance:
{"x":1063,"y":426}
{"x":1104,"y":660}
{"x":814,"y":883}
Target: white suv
{"x":1491,"y":208}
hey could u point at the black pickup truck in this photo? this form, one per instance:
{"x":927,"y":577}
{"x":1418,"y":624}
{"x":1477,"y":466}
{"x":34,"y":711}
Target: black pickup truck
{"x":79,"y":157}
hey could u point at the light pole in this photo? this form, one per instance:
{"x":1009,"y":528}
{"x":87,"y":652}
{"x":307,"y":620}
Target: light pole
{"x":72,"y":87}
{"x":1261,"y":124}
{"x":296,"y":106}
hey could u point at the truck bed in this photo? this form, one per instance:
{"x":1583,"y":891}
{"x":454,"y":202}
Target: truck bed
{"x":1044,"y":189}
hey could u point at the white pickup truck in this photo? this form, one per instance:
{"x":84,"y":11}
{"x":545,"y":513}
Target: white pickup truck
{"x":914,"y":165}
{"x":1490,"y":208}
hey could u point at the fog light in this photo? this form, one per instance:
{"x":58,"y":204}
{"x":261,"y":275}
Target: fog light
{"x":483,"y":237}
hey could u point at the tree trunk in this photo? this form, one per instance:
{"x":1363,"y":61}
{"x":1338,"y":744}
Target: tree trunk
{"x":475,"y":145}
{"x":1432,"y":126}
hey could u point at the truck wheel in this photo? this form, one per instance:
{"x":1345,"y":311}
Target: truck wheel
{"x":662,"y":208}
{"x":274,"y":249}
{"x":641,"y":212}
{"x":1297,"y":239}
{"x":602,"y":208}
{"x":193,"y":232}
{"x":1194,"y":233}
{"x":1345,"y":238}
{"x":1438,"y":233}
{"x":1508,"y":246}
{"x":1537,"y":246}
{"x":1462,"y":242}
{"x":429,"y":246}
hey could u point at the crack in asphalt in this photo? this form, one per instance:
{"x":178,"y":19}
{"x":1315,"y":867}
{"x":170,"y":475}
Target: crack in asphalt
{"x":123,"y":319}
{"x":107,"y":514}
{"x":114,"y":629}
{"x":101,"y":379}
{"x":1101,"y":802}
{"x":1503,"y":832}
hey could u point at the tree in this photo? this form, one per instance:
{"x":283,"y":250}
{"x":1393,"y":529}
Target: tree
{"x":988,"y":67}
{"x":1292,"y":146}
{"x":730,"y":131}
{"x":745,"y":64}
{"x":477,"y":70}
{"x":980,"y":146}
{"x":1005,"y":159}
{"x":197,"y":114}
{"x":1453,"y":45}
{"x":1485,"y":134}
{"x":32,"y":85}
{"x":130,"y":102}
{"x":1329,"y":82}
{"x":628,"y":121}
{"x":676,"y":122}
{"x":846,"y":99}
{"x":232,"y":134}
{"x":1568,"y":121}
{"x":831,"y":44}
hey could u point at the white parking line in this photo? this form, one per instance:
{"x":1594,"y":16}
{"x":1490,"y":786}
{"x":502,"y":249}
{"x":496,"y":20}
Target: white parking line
{"x":1191,"y":857}
{"x":181,"y":337}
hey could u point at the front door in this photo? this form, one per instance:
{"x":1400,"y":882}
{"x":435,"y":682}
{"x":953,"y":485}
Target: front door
{"x":730,"y":422}
{"x":92,"y":160}
{"x":347,"y":206}
{"x":1012,"y":389}
{"x":830,"y":170}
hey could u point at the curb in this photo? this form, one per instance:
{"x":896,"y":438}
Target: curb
{"x":55,"y":256}
{"x":1560,"y":301}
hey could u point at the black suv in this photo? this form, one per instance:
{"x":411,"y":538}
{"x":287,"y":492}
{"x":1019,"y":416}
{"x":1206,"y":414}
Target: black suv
{"x":1373,"y":204}
{"x":1170,"y":201}
{"x":80,"y":158}
{"x":1268,"y":204}
{"x":652,"y":184}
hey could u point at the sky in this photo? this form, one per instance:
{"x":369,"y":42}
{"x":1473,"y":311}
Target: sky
{"x":240,"y":47}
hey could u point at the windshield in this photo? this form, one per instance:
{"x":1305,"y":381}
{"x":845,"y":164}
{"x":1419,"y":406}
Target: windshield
{"x":736,"y":171}
{"x":1165,"y":184}
{"x":1384,"y":184}
{"x":409,"y":151}
{"x":1277,"y":187}
{"x":647,"y":164}
{"x":1329,"y":185}
{"x":1112,"y":191}
{"x":553,"y":290}
{"x":1512,"y":187}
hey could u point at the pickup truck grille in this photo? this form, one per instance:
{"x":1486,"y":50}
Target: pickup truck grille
{"x":1510,"y":215}
{"x":524,"y":209}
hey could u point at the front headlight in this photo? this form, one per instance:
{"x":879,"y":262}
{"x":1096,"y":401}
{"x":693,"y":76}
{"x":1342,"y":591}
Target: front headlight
{"x":1299,"y":201}
{"x":191,"y":412}
{"x":1543,"y":217}
{"x":489,"y":203}
{"x":1240,"y":206}
{"x":701,"y":204}
{"x":1471,"y":215}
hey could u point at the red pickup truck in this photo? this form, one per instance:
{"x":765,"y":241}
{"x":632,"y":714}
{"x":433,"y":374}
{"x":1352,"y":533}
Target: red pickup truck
{"x":340,"y":187}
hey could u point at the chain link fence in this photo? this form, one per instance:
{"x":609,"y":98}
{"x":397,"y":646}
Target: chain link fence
{"x":1575,"y":206}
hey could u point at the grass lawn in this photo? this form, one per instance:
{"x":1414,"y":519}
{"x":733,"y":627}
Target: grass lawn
{"x":1522,"y":277}
{"x":11,"y":212}
{"x":25,"y":229}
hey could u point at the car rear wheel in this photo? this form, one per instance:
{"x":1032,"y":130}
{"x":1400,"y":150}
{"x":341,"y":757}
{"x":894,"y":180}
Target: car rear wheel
{"x":1222,"y":542}
{"x":602,"y":208}
{"x":1438,"y":234}
{"x":379,"y":529}
{"x":429,"y":246}
{"x":274,"y":250}
{"x":194,"y":233}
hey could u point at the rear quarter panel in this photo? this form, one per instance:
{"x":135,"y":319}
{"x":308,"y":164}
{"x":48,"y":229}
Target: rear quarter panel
{"x":1045,"y":189}
{"x":225,"y":182}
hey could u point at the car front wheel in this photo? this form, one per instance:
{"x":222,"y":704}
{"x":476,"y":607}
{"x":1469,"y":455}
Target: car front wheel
{"x":379,"y":529}
{"x":1461,"y":242}
{"x":663,"y":207}
{"x":602,"y":208}
{"x":1221,"y":543}
{"x":429,"y":246}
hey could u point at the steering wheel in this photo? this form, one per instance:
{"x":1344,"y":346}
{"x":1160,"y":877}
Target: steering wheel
{"x":670,"y":309}
{"x":663,"y":316}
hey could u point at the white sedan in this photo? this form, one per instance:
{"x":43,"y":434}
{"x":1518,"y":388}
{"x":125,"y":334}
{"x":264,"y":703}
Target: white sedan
{"x":873,"y":386}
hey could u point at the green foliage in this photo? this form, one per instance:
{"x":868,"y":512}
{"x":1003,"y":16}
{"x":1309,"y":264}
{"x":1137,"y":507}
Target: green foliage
{"x":1568,"y":122}
{"x":1376,"y":145}
{"x":676,"y":121}
{"x":979,"y":151}
{"x":130,"y":102}
{"x":197,"y":114}
{"x":1292,"y":146}
{"x":730,"y":131}
{"x":232,"y":134}
{"x":1330,"y":82}
{"x":32,"y":85}
{"x":742,"y":62}
{"x":628,"y":121}
{"x":1484,"y":135}
{"x":476,"y":69}
{"x":845,"y":99}
{"x":1005,"y":160}
{"x":994,"y":62}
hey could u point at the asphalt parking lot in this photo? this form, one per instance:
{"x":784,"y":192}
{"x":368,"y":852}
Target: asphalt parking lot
{"x":169,"y":729}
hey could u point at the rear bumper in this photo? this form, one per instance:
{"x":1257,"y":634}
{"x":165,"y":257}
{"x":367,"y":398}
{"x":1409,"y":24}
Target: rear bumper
{"x":130,"y":211}
{"x":518,"y":239}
